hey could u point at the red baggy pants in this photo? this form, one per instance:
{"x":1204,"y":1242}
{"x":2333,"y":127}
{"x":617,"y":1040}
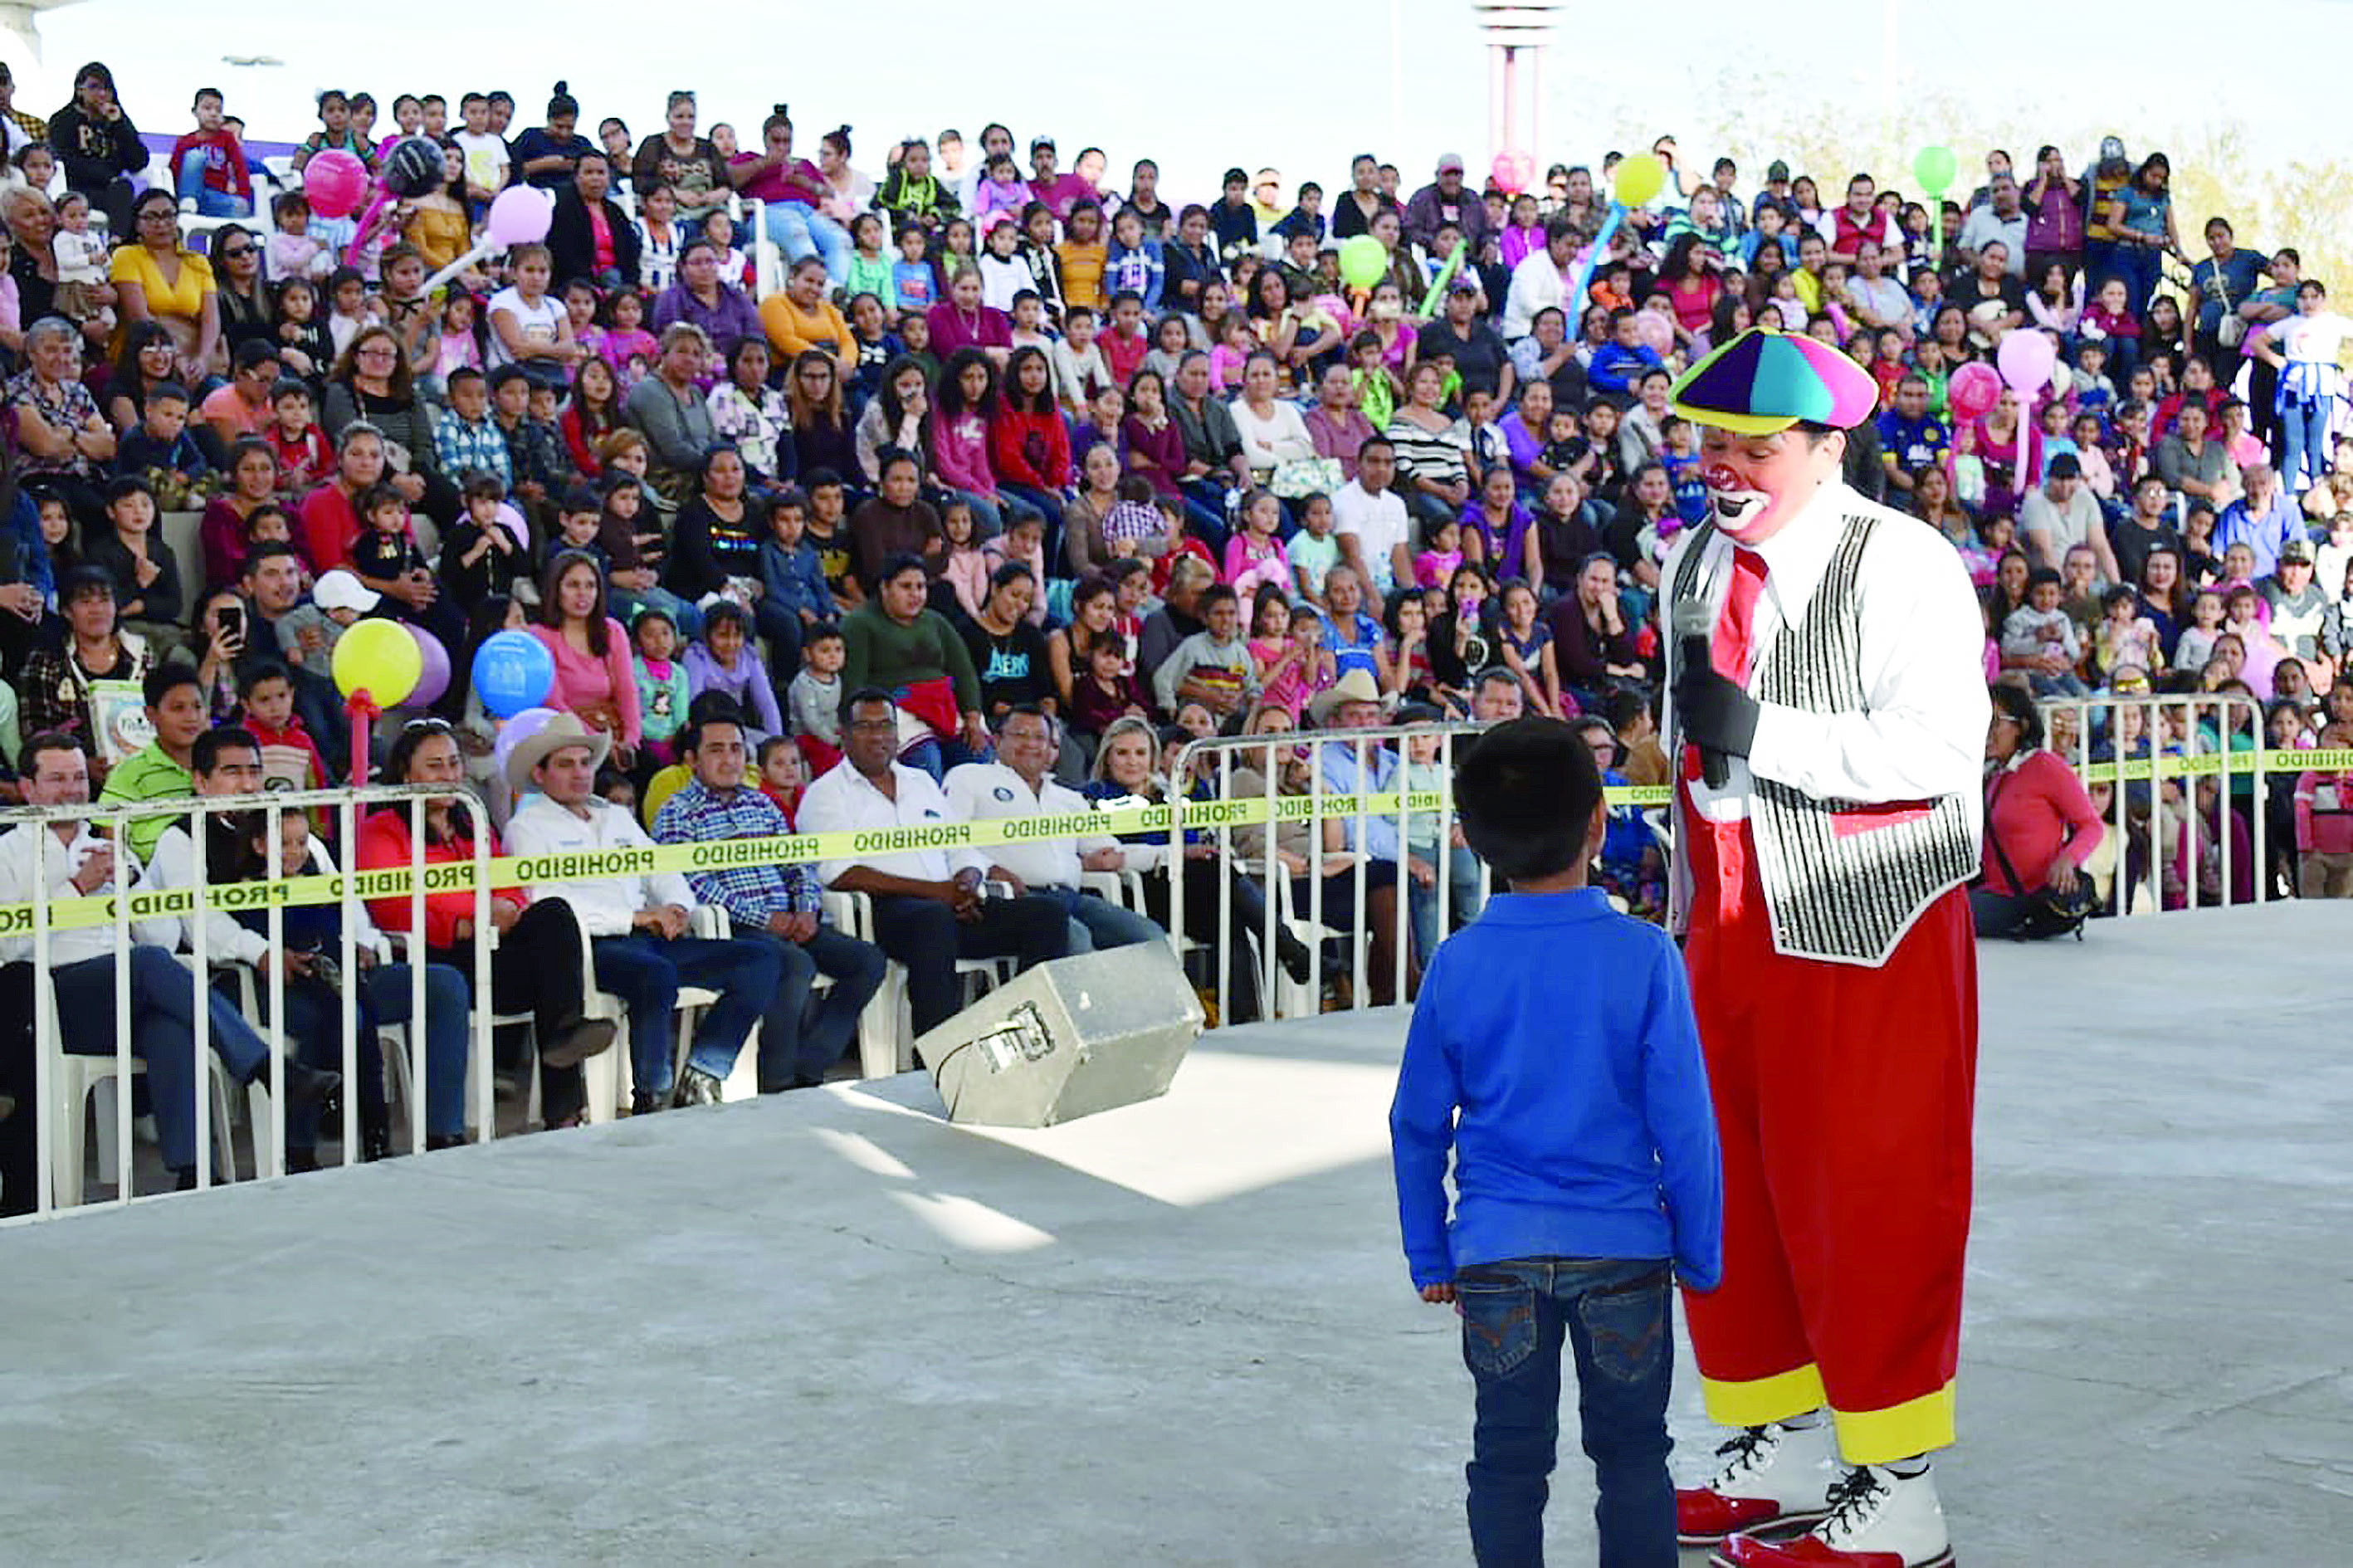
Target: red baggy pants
{"x":1843,"y":1102}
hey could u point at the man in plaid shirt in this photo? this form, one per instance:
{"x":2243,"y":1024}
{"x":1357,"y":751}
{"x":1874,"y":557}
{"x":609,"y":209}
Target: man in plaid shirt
{"x":466,"y":437}
{"x":778,"y":903}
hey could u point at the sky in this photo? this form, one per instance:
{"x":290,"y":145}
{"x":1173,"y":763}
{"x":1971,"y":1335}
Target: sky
{"x":1406,"y":79}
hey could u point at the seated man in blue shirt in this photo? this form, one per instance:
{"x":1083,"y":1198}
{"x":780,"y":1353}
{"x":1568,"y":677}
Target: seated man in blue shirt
{"x":1370,"y":767}
{"x":776,"y":905}
{"x":1554,"y":1051}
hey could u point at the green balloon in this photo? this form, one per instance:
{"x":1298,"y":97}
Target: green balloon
{"x":1934,"y":167}
{"x":1363,"y":262}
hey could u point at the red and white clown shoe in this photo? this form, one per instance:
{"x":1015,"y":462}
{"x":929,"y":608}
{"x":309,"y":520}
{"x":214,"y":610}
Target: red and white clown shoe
{"x":1877,"y":1520}
{"x":1772,"y":1474}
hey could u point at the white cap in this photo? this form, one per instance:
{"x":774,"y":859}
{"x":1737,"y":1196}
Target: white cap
{"x":339,"y":589}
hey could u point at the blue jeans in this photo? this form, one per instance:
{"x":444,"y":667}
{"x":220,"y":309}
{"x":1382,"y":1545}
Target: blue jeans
{"x":1462,"y":900}
{"x":798,"y":1043}
{"x":2304,"y":442}
{"x":646,"y":972}
{"x":164,"y":994}
{"x":210,"y":203}
{"x":800,"y":231}
{"x":1097,"y":924}
{"x":386,"y":989}
{"x":1617,"y":1317}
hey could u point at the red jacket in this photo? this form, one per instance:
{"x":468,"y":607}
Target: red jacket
{"x":577,"y":442}
{"x":384,"y":842}
{"x":1029,"y":449}
{"x":2039,"y":814}
{"x":296,"y":752}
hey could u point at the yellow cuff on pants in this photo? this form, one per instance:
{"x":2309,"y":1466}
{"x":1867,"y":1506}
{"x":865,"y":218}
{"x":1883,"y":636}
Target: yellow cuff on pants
{"x":1764,"y":1399}
{"x":1898,"y":1432}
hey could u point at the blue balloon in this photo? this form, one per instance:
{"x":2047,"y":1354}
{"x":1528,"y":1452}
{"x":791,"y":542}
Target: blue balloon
{"x":513,"y":671}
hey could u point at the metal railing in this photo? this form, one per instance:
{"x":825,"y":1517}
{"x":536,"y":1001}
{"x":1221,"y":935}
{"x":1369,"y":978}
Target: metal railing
{"x":2164,"y":751}
{"x":1357,"y":751}
{"x":273,"y":895}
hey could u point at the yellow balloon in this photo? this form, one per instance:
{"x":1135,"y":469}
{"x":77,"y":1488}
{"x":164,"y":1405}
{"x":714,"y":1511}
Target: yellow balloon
{"x":380,"y":658}
{"x":1639,"y":178}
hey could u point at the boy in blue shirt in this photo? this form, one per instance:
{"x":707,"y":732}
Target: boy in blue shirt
{"x":795,"y":597}
{"x":1617,"y":362}
{"x":1553,"y":1048}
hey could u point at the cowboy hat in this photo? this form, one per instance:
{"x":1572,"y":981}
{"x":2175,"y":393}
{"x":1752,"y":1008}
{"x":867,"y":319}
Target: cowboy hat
{"x":563,"y":730}
{"x":1356,"y":686}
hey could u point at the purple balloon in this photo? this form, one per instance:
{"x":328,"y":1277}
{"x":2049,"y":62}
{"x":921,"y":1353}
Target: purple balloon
{"x":433,"y":680}
{"x":513,"y":732}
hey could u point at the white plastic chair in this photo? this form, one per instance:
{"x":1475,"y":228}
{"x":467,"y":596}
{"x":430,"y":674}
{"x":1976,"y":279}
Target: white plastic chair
{"x":76,"y":1080}
{"x":886,"y":1031}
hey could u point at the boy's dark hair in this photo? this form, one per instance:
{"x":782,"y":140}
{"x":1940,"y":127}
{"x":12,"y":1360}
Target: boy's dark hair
{"x":1526,"y":791}
{"x":128,"y":484}
{"x":1073,"y":312}
{"x":506,"y":373}
{"x":768,"y":749}
{"x":820,"y":479}
{"x":823,"y":631}
{"x":462,"y":372}
{"x":255,"y":353}
{"x":790,"y":495}
{"x":284,"y":387}
{"x":481,"y":483}
{"x":579,"y":499}
{"x":163,"y":680}
{"x":1135,"y":490}
{"x":2041,"y":574}
{"x":163,"y":391}
{"x":260,"y":671}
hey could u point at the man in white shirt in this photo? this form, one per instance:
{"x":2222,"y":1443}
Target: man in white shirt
{"x":1540,"y":281}
{"x":1018,"y":785}
{"x":636,"y":923}
{"x":79,"y":863}
{"x":932,"y":904}
{"x":2060,"y":514}
{"x":226,"y":761}
{"x":1829,"y":711}
{"x":1369,"y":520}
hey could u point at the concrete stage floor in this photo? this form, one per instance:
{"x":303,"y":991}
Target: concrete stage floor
{"x":830,"y":1329}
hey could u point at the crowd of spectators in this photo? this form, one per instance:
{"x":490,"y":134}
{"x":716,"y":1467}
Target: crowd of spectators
{"x":1000,"y":486}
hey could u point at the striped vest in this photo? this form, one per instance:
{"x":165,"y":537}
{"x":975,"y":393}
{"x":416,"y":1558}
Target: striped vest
{"x":1842,"y":897}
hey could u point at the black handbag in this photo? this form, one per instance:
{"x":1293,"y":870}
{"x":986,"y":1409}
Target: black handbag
{"x":2049,"y":912}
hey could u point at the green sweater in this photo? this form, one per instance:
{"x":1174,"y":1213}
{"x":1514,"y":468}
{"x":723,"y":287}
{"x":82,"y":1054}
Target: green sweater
{"x":147,"y":774}
{"x":879,"y":651}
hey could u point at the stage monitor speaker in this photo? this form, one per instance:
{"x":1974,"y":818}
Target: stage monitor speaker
{"x":1067,"y":1039}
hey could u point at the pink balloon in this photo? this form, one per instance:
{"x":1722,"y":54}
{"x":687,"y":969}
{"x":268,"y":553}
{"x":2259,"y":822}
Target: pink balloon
{"x":2026,"y":358}
{"x":334,"y":183}
{"x":434,"y":678}
{"x":1973,"y":390}
{"x":520,"y":215}
{"x":1654,"y":332}
{"x":1511,"y":170}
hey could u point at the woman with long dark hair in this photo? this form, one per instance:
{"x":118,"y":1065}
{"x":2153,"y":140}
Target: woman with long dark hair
{"x":536,"y":966}
{"x":594,"y":676}
{"x":823,"y":437}
{"x":1028,"y":444}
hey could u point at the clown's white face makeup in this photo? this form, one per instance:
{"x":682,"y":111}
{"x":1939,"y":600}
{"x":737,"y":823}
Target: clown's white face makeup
{"x":1757,"y":483}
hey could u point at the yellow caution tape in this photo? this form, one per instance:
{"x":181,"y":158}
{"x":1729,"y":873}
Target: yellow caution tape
{"x":719,"y":854}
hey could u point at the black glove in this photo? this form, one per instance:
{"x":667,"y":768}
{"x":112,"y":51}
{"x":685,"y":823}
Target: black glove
{"x":1714,"y":711}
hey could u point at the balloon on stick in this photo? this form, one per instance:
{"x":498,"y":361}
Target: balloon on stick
{"x":2025,"y":358}
{"x":513,"y":671}
{"x":1363,"y":262}
{"x":379,"y":660}
{"x":334,"y":183}
{"x":1639,"y":178}
{"x":1934,"y":167}
{"x":434,"y":678}
{"x":1974,"y":389}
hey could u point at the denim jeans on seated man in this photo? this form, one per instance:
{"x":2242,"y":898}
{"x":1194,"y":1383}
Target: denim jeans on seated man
{"x":646,"y":972}
{"x":1098,"y":925}
{"x":1616,"y":1315}
{"x":804,"y":1035}
{"x":1461,"y":901}
{"x":162,"y":1034}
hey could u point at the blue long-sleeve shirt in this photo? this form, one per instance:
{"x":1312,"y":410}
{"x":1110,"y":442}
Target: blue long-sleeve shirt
{"x":1337,"y":761}
{"x":1614,"y":369}
{"x":795,"y":580}
{"x":1553,"y":1048}
{"x":1144,"y":270}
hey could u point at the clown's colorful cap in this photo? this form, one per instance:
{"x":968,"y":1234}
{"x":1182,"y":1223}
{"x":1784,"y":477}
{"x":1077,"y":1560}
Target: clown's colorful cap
{"x":1766,"y":381}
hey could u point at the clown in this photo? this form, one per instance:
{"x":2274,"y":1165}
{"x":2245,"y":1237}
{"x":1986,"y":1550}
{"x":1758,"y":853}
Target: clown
{"x":1842,"y":705}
